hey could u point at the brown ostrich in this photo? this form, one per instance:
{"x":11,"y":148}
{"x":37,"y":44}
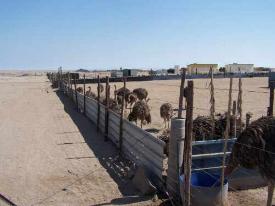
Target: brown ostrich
{"x":255,"y":148}
{"x":141,"y":93}
{"x":89,"y":93}
{"x":166,"y":112}
{"x":113,"y":105}
{"x":248,"y":117}
{"x":131,"y":99}
{"x":101,"y":88}
{"x":119,"y":95}
{"x":141,"y":111}
{"x":80,"y":90}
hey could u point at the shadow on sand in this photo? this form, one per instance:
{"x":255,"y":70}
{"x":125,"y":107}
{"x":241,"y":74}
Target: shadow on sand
{"x":106,"y":152}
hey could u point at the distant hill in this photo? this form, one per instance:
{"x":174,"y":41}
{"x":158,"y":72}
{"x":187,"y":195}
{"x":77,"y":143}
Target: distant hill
{"x":82,"y":70}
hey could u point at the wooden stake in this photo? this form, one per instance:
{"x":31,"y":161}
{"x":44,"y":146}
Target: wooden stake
{"x":212,"y":103}
{"x":271,"y":101}
{"x":188,"y":144}
{"x":107,"y":96}
{"x":183,"y":75}
{"x":234,"y":128}
{"x":240,"y":102}
{"x":121,"y":118}
{"x":226,"y":133}
{"x":98,"y":103}
{"x":76,"y":100}
{"x":84,"y":95}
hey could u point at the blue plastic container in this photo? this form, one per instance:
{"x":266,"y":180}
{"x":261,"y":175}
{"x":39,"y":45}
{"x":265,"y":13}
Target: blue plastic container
{"x":206,"y":189}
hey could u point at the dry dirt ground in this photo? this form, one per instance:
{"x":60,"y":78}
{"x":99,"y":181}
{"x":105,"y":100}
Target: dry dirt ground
{"x":255,"y":96}
{"x":51,"y":155}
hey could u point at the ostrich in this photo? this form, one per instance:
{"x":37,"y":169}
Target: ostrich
{"x":166,"y":112}
{"x":248,"y":117}
{"x":141,"y":93}
{"x":89,"y":93}
{"x":255,"y":148}
{"x":131,"y":99}
{"x":140,"y":111}
{"x":80,"y":90}
{"x":119,"y":95}
{"x":101,"y":88}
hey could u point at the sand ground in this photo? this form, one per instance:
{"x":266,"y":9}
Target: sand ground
{"x":51,"y":155}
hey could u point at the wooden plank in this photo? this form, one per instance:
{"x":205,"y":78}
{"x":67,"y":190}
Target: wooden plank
{"x":187,"y":159}
{"x":121,"y":118}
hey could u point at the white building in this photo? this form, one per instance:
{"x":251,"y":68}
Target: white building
{"x":242,"y":68}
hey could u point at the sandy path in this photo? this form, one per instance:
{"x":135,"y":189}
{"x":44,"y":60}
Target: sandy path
{"x":53,"y":157}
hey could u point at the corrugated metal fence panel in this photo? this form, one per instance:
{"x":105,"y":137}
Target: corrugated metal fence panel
{"x":138,"y":145}
{"x":91,"y":109}
{"x":102,"y":118}
{"x":80,"y":99}
{"x":114,"y":123}
{"x":143,"y":148}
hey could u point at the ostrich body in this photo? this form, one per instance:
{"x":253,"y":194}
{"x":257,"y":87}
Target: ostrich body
{"x":131,"y":99}
{"x":255,"y":148}
{"x":101,"y":88}
{"x":166,"y":112}
{"x":119,"y":95}
{"x":141,"y":93}
{"x":140,"y":112}
{"x":89,"y":93}
{"x":80,"y":90}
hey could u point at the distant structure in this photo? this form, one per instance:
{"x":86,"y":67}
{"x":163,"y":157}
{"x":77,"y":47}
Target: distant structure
{"x":201,"y":68}
{"x":174,"y":71}
{"x":135,"y":72}
{"x":116,"y":73}
{"x":262,"y":69}
{"x":93,"y":74}
{"x":161,"y":72}
{"x":239,"y":68}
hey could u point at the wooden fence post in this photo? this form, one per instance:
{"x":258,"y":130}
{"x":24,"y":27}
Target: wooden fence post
{"x":84,"y":94}
{"x":271,"y":101}
{"x":240,"y":101}
{"x":212,"y":102}
{"x":188,"y":144}
{"x":226,"y":133}
{"x":76,"y":100}
{"x":107,"y":96}
{"x":121,"y":118}
{"x":98,"y":103}
{"x":183,"y":75}
{"x":234,"y":128}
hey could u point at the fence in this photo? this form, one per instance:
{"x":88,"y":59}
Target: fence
{"x":137,"y":145}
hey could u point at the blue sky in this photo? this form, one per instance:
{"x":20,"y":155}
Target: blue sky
{"x":104,"y":34}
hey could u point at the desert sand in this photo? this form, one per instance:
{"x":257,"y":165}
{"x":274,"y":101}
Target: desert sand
{"x":51,"y":155}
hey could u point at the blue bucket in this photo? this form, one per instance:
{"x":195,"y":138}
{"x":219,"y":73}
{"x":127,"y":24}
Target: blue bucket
{"x":206,"y":189}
